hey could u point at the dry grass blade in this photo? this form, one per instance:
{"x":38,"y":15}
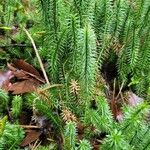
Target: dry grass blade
{"x":38,"y":56}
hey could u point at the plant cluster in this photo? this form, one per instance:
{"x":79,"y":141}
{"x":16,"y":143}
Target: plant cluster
{"x":80,"y":41}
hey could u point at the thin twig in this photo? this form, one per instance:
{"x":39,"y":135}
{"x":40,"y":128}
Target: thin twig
{"x":120,"y":90}
{"x":37,"y":54}
{"x":28,"y":126}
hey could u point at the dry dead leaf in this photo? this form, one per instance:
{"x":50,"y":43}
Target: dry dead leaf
{"x":27,"y":78}
{"x":22,"y":65}
{"x":23,"y":86}
{"x":24,"y":70}
{"x":20,"y":74}
{"x":31,"y":136}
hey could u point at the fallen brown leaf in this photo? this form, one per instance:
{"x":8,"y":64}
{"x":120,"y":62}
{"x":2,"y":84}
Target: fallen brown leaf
{"x":23,"y":86}
{"x":20,"y":74}
{"x":22,"y":65}
{"x":31,"y":136}
{"x":27,"y":78}
{"x":23,"y":72}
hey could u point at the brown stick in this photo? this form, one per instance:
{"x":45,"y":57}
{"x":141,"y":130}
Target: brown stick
{"x":28,"y":126}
